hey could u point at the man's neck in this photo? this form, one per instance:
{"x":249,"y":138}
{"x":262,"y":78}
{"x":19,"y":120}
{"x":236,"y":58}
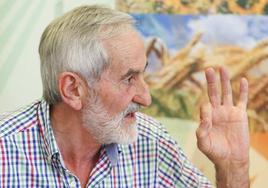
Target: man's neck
{"x":79,"y":150}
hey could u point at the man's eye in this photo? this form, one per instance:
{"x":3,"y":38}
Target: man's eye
{"x":129,"y":79}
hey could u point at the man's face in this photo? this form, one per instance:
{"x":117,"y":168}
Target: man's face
{"x":110,"y":111}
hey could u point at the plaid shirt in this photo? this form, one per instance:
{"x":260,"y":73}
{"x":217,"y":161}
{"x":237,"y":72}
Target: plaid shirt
{"x":29,"y":156}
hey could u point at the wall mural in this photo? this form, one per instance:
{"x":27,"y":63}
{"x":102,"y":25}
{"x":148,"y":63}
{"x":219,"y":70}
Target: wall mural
{"x":180,"y":46}
{"x":194,"y":6}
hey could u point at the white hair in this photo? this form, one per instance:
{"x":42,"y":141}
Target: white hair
{"x":73,"y":42}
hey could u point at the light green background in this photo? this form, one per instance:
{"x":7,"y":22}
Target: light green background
{"x":22,"y":23}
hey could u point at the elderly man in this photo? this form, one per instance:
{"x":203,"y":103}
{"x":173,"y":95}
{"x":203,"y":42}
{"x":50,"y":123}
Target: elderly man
{"x":87,"y":132}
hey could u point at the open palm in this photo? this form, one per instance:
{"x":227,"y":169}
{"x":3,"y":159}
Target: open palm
{"x":223,"y":131}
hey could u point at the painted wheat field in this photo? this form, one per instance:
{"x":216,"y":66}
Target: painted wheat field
{"x":179,"y":48}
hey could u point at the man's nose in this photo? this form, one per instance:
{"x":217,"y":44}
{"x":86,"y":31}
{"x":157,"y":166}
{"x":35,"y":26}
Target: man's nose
{"x":143,"y":96}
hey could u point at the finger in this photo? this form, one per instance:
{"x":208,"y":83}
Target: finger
{"x":213,"y":94}
{"x":203,"y":141}
{"x":205,"y":120}
{"x":227,"y":98}
{"x":205,"y":112}
{"x":203,"y":129}
{"x":243,"y":96}
{"x":205,"y":125}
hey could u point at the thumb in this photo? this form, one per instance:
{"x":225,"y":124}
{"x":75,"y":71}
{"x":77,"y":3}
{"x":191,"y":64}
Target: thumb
{"x":202,"y":135}
{"x":202,"y":132}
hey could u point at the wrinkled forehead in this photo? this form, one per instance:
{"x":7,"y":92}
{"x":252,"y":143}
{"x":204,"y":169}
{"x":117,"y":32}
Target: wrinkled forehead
{"x":126,"y":50}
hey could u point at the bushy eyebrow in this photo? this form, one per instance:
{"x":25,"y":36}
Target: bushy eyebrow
{"x":133,"y":72}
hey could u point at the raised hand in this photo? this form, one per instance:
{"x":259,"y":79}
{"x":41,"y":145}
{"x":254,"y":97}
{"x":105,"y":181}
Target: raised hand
{"x":223,"y":132}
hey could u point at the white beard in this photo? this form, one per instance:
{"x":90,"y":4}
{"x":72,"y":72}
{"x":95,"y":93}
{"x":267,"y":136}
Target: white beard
{"x":107,"y":129}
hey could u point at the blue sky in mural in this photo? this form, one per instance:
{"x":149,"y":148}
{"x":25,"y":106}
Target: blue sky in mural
{"x":177,"y":30}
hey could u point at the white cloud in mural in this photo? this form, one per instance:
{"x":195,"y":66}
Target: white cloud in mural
{"x":258,"y":27}
{"x":223,"y":29}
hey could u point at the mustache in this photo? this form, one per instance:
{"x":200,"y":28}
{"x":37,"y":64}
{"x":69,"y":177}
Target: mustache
{"x":133,"y":107}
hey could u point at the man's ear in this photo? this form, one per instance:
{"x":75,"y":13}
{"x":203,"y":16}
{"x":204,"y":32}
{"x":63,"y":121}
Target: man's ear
{"x":72,"y":89}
